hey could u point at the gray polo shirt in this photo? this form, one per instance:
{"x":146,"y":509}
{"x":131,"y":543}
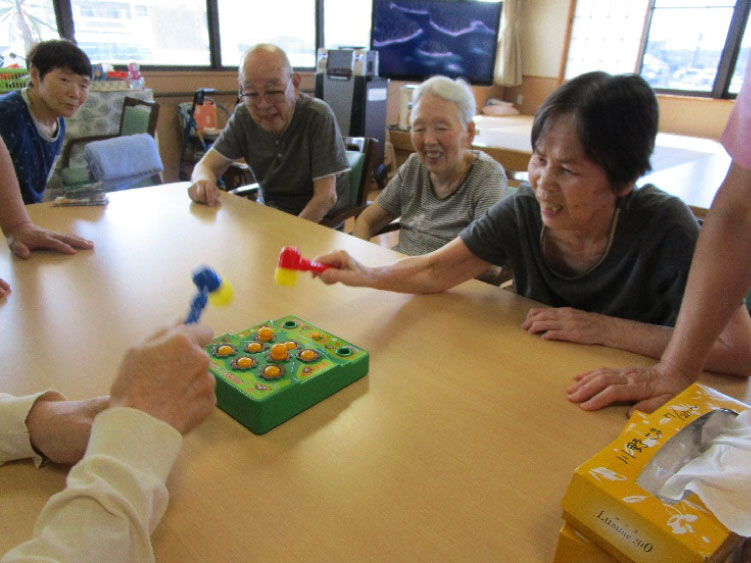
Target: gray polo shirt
{"x":286,"y":165}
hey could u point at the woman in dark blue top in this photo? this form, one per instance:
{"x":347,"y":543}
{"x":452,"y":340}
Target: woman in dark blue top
{"x":31,"y":119}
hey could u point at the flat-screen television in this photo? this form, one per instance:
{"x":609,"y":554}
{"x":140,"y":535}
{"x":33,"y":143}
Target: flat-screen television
{"x":417,"y":39}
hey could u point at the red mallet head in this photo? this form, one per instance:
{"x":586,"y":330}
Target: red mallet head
{"x":290,"y":262}
{"x":290,"y":259}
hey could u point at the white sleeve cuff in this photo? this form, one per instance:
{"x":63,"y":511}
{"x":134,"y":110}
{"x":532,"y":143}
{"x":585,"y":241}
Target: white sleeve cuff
{"x":15,"y":441}
{"x":136,"y":438}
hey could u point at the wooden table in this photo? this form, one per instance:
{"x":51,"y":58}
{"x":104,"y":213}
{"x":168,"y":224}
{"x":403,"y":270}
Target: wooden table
{"x":691,"y":168}
{"x":457,"y":446}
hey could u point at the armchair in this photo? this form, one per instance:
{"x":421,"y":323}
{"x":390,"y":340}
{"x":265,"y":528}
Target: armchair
{"x":362,"y":155}
{"x":138,"y":116}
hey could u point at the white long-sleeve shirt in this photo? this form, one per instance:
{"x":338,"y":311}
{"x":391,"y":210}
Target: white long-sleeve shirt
{"x":114,"y":497}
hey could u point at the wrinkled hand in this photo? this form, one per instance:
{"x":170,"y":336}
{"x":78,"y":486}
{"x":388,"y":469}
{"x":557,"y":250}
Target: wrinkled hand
{"x":27,"y":237}
{"x":345,"y":269}
{"x":566,"y":323}
{"x":60,"y":429}
{"x":4,"y":288}
{"x":167,"y":377}
{"x":647,"y":387}
{"x":204,"y":191}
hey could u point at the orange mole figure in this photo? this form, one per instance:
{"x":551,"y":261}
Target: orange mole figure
{"x":245,"y":362}
{"x":225,"y":350}
{"x":265,"y":334}
{"x":307,"y":355}
{"x":272,"y":372}
{"x":279,"y":352}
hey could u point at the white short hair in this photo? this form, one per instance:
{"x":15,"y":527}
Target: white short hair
{"x":456,"y":91}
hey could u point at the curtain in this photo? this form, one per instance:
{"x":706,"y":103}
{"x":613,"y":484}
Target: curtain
{"x":508,"y":58}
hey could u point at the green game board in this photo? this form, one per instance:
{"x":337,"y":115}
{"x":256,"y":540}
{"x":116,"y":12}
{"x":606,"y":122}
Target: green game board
{"x":260,"y":388}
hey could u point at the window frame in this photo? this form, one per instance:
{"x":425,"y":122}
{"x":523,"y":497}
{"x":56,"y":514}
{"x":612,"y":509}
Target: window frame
{"x":66,"y":29}
{"x":728,"y":58}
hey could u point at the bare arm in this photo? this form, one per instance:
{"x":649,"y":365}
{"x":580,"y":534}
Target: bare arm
{"x":429,"y":273}
{"x":22,"y":235}
{"x":205,"y":176}
{"x":371,"y":221}
{"x":59,"y":429}
{"x":720,"y":274}
{"x":12,"y":210}
{"x":730,"y":353}
{"x":324,"y":198}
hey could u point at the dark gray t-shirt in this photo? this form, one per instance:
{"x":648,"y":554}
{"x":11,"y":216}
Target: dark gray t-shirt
{"x":641,"y":278}
{"x":285,"y":166}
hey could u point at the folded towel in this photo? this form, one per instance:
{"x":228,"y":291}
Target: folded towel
{"x":121,"y":161}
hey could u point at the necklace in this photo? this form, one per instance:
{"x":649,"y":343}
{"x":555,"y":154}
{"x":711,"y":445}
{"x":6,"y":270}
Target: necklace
{"x":545,"y":245}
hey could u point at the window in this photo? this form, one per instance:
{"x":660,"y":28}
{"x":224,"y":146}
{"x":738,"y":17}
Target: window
{"x":158,"y":32}
{"x":23,"y":22}
{"x":696,"y":47}
{"x":605,"y":35}
{"x":346,"y":23}
{"x":688,"y":61}
{"x":741,"y":62}
{"x":290,"y":24}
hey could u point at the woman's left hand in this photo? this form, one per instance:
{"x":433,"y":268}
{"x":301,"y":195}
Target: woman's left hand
{"x":566,"y":323}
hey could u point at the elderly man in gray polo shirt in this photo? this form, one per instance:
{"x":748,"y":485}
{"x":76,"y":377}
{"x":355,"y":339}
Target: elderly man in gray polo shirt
{"x":290,"y":140}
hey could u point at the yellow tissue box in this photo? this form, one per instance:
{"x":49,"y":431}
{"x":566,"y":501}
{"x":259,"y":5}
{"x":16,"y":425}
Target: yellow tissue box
{"x":604,"y":502}
{"x":572,"y":547}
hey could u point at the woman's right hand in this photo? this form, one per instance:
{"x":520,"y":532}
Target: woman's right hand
{"x":345,"y":269}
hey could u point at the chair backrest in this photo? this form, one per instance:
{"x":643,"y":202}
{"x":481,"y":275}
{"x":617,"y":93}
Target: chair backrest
{"x":362,"y":154}
{"x":356,"y":161}
{"x":139,"y":116}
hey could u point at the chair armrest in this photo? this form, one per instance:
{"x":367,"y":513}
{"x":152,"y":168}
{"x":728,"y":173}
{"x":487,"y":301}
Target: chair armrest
{"x":250,"y":191}
{"x":79,"y":141}
{"x":395,"y":225}
{"x":340,"y":217}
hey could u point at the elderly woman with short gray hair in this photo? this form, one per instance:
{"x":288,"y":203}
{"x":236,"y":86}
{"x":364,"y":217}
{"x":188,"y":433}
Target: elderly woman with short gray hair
{"x":444,"y":185}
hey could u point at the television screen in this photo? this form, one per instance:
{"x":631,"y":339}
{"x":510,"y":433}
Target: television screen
{"x":417,"y":39}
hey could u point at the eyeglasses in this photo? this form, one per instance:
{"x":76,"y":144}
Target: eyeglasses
{"x":272,"y":96}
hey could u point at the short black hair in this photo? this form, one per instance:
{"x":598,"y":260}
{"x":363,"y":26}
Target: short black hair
{"x":616,"y":121}
{"x":59,"y":53}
